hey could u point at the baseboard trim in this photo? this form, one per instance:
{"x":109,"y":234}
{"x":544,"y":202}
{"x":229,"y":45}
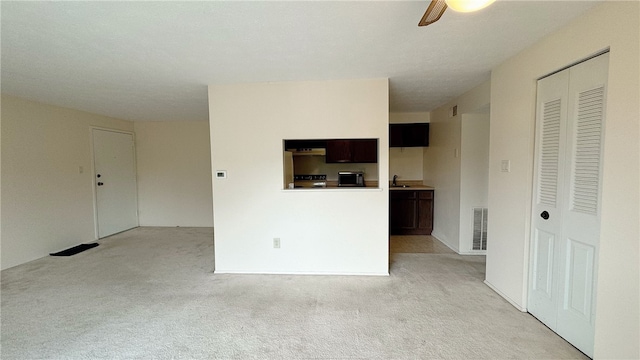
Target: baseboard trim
{"x":509,"y":300}
{"x":305,"y":273}
{"x":472,"y":252}
{"x":445,"y":244}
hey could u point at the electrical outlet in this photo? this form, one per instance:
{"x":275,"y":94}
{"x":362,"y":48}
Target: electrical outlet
{"x":276,"y":243}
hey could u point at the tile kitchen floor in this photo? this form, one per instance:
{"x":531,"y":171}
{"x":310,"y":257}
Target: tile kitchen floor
{"x":425,"y":244}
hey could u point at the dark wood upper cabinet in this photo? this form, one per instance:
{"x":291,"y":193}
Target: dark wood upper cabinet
{"x":365,"y":150}
{"x":305,"y":144}
{"x":352,"y":151}
{"x":409,"y":135}
{"x":339,"y":151}
{"x":395,"y":135}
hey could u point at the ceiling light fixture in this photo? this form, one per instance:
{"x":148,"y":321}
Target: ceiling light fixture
{"x":468,"y":5}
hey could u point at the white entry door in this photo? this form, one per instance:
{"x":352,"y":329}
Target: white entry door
{"x":566,"y":205}
{"x":115,"y":181}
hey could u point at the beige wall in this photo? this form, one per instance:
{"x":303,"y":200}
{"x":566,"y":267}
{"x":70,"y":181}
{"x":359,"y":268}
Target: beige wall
{"x":1,"y":100}
{"x":442,"y":165}
{"x":339,"y":231}
{"x":474,"y":174}
{"x":407,"y":162}
{"x":174,"y":173}
{"x":47,"y":204}
{"x":409,"y":117}
{"x":613,"y":25}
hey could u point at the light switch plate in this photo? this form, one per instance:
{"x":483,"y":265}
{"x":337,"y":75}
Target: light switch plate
{"x":221,"y":174}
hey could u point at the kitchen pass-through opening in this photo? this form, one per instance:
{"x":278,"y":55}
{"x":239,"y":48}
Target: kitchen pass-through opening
{"x":330,"y":163}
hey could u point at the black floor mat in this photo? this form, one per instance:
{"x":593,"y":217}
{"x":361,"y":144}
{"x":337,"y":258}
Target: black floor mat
{"x":74,"y":250}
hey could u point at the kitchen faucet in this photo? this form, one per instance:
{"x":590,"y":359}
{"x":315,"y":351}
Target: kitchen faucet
{"x":393,"y":183}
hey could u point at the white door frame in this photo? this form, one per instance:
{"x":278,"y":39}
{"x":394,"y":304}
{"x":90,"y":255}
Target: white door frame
{"x":93,"y":175}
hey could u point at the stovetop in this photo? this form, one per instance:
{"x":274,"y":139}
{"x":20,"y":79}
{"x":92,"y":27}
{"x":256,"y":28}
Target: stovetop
{"x":310,"y":177}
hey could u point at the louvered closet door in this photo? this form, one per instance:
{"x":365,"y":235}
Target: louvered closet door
{"x":566,"y":209}
{"x":581,"y":223}
{"x":551,"y":124}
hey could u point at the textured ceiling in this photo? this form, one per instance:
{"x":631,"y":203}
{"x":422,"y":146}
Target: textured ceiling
{"x":154,"y":60}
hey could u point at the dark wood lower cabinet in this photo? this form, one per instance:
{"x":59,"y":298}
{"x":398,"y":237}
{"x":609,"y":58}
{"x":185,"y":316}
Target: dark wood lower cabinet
{"x":410,"y":212}
{"x":403,"y":210}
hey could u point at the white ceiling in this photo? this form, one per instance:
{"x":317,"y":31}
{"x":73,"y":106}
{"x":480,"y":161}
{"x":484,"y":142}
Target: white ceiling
{"x":154,"y":60}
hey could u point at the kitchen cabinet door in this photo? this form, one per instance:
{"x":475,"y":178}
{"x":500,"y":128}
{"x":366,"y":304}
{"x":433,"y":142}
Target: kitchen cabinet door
{"x":409,"y":135}
{"x":365,"y":150}
{"x":305,"y":144}
{"x":410,"y":212}
{"x":403,"y":208}
{"x":352,"y":151}
{"x":425,"y":212}
{"x":339,"y":151}
{"x":395,"y":135}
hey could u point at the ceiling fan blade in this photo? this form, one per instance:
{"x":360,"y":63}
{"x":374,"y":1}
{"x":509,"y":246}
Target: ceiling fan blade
{"x":433,"y":13}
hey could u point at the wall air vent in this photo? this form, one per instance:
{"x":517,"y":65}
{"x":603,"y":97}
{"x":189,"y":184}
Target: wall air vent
{"x":479,"y":229}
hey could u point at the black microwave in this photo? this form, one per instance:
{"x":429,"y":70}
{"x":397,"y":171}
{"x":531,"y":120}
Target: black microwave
{"x":350,"y":178}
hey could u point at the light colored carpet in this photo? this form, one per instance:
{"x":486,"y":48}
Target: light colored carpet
{"x":149,"y":293}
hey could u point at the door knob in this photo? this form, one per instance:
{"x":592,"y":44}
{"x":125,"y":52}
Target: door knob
{"x":544,"y":215}
{"x":98,"y":175}
{"x":100,"y":184}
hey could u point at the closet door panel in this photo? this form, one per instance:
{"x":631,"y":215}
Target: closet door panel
{"x":551,"y":120}
{"x":581,"y":223}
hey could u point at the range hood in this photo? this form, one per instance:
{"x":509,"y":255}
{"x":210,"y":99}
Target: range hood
{"x":308,"y":152}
